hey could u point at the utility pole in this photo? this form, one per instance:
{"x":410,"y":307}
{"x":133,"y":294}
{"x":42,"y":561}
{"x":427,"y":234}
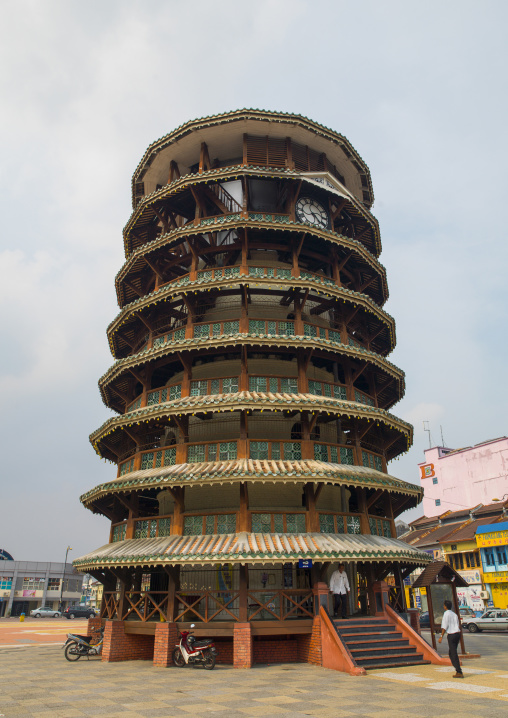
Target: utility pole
{"x":69,"y":548}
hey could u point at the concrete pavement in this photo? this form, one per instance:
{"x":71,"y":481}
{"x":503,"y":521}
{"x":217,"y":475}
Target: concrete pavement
{"x":38,"y":631}
{"x":37,"y":682}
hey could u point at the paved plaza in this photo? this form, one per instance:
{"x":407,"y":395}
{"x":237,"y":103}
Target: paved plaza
{"x":37,"y":682}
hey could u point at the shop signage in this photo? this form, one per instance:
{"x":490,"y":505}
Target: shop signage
{"x":305,"y":563}
{"x":471,"y":576}
{"x":496,"y":577}
{"x":497,"y":538}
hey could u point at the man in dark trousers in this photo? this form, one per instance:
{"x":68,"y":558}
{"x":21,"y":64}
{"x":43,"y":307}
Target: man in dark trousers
{"x":451,"y":624}
{"x":339,"y":586}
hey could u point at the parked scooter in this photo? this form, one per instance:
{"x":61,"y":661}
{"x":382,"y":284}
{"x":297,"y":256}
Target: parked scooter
{"x":196,"y":652}
{"x":77,"y":646}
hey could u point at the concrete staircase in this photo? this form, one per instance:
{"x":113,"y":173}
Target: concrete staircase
{"x":376,"y":643}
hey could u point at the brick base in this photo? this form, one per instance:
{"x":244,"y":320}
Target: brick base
{"x":166,"y":638}
{"x":242,"y":645}
{"x":275,"y":650}
{"x":121,"y":646}
{"x":93,"y":625}
{"x":309,"y":644}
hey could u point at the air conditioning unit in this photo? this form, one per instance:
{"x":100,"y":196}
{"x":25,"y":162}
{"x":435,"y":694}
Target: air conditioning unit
{"x":484,"y":595}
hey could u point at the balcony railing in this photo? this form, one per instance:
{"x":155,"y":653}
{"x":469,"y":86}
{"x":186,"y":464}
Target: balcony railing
{"x":338,"y":523}
{"x":231,"y":384}
{"x":260,"y":450}
{"x":208,"y":606}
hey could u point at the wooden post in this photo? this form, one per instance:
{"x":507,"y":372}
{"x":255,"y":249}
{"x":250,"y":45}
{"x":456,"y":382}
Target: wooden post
{"x":244,"y":522}
{"x":312,"y":515}
{"x":173,"y":587}
{"x":243,"y":598}
{"x":242,"y":450}
{"x":307,"y":445}
{"x":178,"y":493}
{"x":298,"y":318}
{"x":244,"y":373}
{"x":302,"y":363}
{"x":362,"y":508}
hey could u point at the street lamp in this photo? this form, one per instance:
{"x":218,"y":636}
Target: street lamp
{"x":69,"y":548}
{"x":502,"y":498}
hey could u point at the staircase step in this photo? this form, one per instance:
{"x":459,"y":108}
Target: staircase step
{"x":382,"y":651}
{"x":396,"y":658}
{"x":384,"y":642}
{"x":342,"y":629}
{"x":380,"y":665}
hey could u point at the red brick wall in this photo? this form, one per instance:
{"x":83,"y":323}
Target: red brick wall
{"x":225,"y":650}
{"x":121,"y":646}
{"x":94,"y":624}
{"x":166,"y":638}
{"x":275,"y":650}
{"x":309,"y":644}
{"x":242,"y":645}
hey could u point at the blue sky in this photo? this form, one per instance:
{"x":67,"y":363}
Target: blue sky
{"x":418,"y":88}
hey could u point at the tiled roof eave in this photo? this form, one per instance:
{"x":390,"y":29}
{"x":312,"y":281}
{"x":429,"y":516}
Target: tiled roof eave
{"x":251,"y":548}
{"x":246,"y":400}
{"x":239,"y":470}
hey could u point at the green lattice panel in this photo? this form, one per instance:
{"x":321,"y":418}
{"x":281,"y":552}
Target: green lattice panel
{"x":257,"y":383}
{"x":292,"y":451}
{"x":229,"y":385}
{"x":258,"y":450}
{"x":231,"y":327}
{"x":346,"y":456}
{"x":195,"y":454}
{"x":226,"y":524}
{"x":320,"y":452}
{"x":170,"y":456}
{"x":199,"y":388}
{"x":295,"y":523}
{"x":326,"y":523}
{"x":141,"y":529}
{"x":147,"y":461}
{"x":193,"y":525}
{"x":278,"y":523}
{"x":289,"y":386}
{"x":175,"y":392}
{"x":210,"y":525}
{"x":262,"y":523}
{"x":353,"y":525}
{"x":227,"y":450}
{"x":164,"y":527}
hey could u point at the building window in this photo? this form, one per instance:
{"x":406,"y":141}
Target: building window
{"x":37,"y":583}
{"x":438,"y":502}
{"x":6,"y":583}
{"x":501,"y":555}
{"x":53,"y":584}
{"x":489,"y":557}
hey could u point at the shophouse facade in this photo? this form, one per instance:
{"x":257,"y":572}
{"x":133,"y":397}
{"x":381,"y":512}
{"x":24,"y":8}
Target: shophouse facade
{"x":492,"y":541}
{"x":25,"y":585}
{"x":453,"y":536}
{"x":456,"y":478}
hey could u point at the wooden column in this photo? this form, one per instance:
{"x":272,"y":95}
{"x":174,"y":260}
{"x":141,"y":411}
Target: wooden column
{"x":312,"y":516}
{"x":243,"y":598}
{"x":244,"y":372}
{"x":362,"y":508}
{"x":178,"y":493}
{"x":183,"y":438}
{"x":187,"y":374}
{"x":302,"y":362}
{"x":173,"y":587}
{"x":307,"y":445}
{"x":244,"y":268}
{"x":242,"y":444}
{"x":298,"y":318}
{"x":133,"y":514}
{"x":244,"y":520}
{"x":389,"y":514}
{"x":244,"y":318}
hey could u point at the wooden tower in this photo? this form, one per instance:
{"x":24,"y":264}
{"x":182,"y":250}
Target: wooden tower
{"x":251,"y":384}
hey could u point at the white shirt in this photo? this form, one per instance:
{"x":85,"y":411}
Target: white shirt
{"x":450,"y":622}
{"x":339,"y":582}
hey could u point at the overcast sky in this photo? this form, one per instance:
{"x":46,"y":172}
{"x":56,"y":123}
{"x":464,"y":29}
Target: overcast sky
{"x":418,"y":88}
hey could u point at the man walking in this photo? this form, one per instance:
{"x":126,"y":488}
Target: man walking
{"x":339,"y":586}
{"x":451,"y":624}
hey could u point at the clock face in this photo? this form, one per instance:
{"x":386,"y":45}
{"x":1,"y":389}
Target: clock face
{"x":311,"y":212}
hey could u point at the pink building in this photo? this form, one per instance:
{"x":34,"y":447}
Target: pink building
{"x":460,"y":478}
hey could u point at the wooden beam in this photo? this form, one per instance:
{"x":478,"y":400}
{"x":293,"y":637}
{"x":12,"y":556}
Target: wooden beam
{"x":375,"y":497}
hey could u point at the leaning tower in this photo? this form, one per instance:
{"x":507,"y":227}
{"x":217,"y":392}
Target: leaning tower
{"x":251,"y":383}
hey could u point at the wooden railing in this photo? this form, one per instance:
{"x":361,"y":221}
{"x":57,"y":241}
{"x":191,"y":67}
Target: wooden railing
{"x":257,"y":449}
{"x":280,"y":604}
{"x":207,"y":606}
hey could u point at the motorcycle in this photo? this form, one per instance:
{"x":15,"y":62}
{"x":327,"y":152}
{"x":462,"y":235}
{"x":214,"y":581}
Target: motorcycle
{"x":77,"y":646}
{"x":190,"y":651}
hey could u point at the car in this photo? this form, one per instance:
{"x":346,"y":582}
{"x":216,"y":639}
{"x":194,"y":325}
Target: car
{"x":492,"y":620}
{"x":424,"y":619}
{"x":79,"y":612}
{"x":44,"y":611}
{"x":465,"y":612}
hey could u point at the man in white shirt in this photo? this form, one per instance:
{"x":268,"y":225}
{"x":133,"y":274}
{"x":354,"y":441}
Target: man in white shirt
{"x":339,"y":586}
{"x":451,"y":624}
